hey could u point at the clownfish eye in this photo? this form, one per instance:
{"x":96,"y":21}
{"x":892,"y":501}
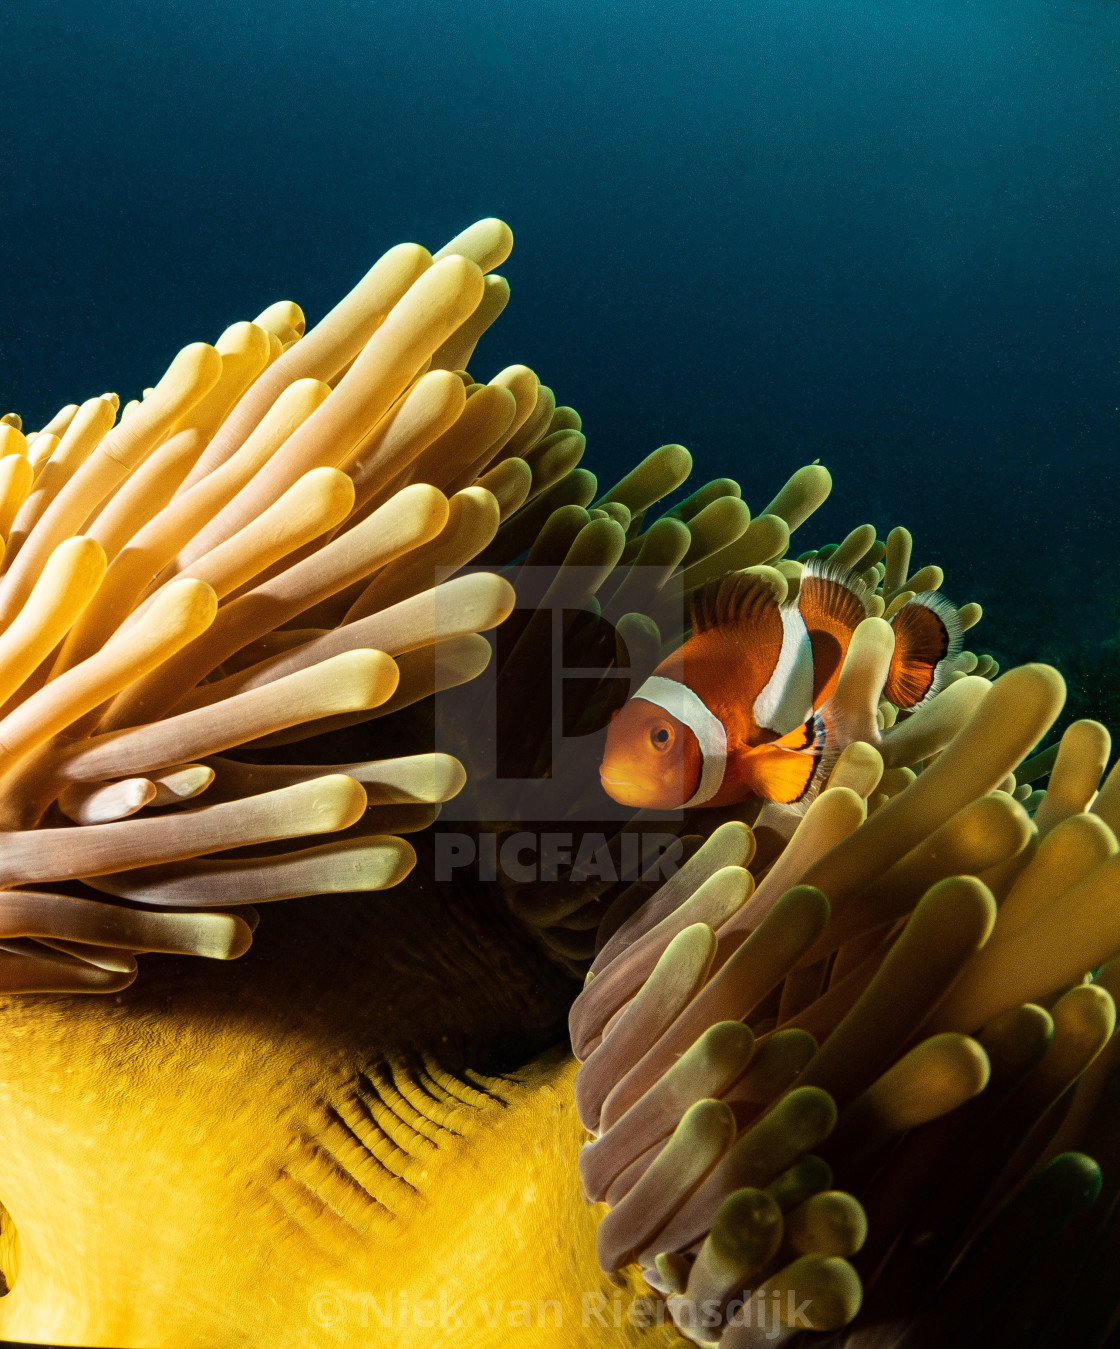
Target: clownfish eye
{"x":661,"y":736}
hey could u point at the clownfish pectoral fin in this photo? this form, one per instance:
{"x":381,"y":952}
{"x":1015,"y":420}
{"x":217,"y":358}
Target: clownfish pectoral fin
{"x":927,"y":632}
{"x":786,"y":771}
{"x":833,"y":603}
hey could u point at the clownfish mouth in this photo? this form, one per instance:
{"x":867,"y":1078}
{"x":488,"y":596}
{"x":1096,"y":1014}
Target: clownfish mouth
{"x":637,"y":791}
{"x":619,"y":788}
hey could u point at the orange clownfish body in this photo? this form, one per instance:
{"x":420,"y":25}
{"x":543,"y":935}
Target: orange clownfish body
{"x":735,"y":712}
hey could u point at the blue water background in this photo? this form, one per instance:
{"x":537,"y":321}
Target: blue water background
{"x":882,"y":233}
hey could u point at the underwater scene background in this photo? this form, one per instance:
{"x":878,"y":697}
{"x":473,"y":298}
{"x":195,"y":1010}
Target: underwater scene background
{"x":867,"y":240}
{"x":878,"y":232}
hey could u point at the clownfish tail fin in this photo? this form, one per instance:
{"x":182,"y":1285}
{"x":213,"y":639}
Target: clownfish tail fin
{"x":927,"y":636}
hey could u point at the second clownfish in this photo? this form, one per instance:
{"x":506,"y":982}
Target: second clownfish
{"x":740,"y":709}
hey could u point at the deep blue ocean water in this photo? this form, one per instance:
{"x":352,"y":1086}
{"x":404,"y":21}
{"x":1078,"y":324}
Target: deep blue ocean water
{"x":882,"y":233}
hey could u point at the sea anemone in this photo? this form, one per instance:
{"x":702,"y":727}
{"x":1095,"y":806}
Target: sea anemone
{"x":909,"y":970}
{"x":838,"y":995}
{"x":251,"y":551}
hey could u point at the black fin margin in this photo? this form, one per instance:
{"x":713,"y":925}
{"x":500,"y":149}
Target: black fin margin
{"x":825,"y":755}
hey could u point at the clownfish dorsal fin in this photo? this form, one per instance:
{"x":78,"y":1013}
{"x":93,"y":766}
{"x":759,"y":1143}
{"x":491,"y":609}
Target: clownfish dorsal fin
{"x":834,"y":592}
{"x":927,"y":633}
{"x":833,"y":602}
{"x":764,"y":657}
{"x":738,"y":597}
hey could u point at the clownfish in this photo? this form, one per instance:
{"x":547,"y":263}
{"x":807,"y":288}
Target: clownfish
{"x":741,"y":708}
